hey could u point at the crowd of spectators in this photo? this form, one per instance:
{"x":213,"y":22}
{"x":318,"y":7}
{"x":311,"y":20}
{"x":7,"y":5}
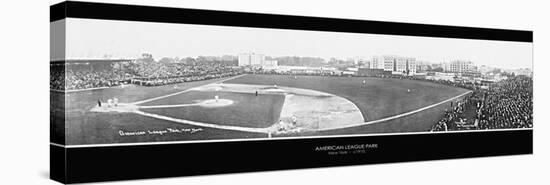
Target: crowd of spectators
{"x":75,"y":80}
{"x":506,"y":104}
{"x":76,"y":77}
{"x":162,"y":74}
{"x":147,"y":74}
{"x":57,"y":74}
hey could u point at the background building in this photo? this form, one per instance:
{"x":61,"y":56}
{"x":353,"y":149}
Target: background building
{"x":394,"y":63}
{"x":461,"y":66}
{"x":251,"y":59}
{"x":377,"y":62}
{"x":269,"y":63}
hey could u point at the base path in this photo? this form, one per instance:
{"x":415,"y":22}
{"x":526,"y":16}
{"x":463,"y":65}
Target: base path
{"x":203,"y":103}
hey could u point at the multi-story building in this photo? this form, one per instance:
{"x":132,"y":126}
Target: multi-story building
{"x":244,"y":59}
{"x":401,"y":65}
{"x":461,"y":66}
{"x":377,"y":62}
{"x":393,"y":63}
{"x":269,"y":63}
{"x":251,"y":59}
{"x":411,"y":66}
{"x":389,"y":63}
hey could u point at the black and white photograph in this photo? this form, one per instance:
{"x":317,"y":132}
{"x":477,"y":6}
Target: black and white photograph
{"x":129,"y":82}
{"x":274,"y":92}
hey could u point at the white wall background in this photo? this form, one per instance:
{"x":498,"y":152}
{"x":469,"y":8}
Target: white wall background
{"x":24,"y":98}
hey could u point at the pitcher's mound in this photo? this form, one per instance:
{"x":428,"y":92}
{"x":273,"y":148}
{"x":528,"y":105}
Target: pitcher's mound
{"x":215,"y":103}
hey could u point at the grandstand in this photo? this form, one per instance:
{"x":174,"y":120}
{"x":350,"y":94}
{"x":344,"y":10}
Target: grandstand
{"x":86,"y":74}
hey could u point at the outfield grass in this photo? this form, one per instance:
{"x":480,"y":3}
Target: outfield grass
{"x":247,"y":109}
{"x":380,"y":98}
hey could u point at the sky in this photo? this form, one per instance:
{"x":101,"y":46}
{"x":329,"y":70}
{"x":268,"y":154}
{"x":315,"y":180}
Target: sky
{"x":92,"y":38}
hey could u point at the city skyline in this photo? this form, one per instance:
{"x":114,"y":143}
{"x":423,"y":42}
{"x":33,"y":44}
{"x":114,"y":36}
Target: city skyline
{"x":87,"y":38}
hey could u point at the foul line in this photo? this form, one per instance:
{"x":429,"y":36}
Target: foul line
{"x":81,"y":90}
{"x":201,"y":124}
{"x":173,"y":94}
{"x":396,"y":116}
{"x":167,"y":106}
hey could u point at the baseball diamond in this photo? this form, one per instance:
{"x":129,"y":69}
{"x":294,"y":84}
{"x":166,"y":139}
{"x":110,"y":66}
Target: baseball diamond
{"x":257,"y":106}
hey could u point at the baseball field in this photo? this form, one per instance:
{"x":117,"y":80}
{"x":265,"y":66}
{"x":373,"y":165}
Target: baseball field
{"x":250,"y":106}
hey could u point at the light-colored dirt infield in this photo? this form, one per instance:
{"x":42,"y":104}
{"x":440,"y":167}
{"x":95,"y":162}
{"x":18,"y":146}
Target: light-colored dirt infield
{"x":303,"y":109}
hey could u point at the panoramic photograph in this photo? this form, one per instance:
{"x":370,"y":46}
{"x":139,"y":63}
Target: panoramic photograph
{"x":127,"y":82}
